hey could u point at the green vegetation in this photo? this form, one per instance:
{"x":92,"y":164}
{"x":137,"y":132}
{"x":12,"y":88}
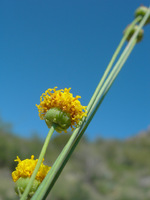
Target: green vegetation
{"x":103,"y":169}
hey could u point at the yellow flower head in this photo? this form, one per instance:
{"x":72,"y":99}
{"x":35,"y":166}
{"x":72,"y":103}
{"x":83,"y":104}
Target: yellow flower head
{"x":63,"y":100}
{"x":26,"y":167}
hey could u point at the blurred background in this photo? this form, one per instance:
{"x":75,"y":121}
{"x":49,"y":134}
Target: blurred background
{"x":69,"y":44}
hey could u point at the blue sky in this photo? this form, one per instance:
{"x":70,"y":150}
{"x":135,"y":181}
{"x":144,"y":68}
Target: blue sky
{"x":44,"y":44}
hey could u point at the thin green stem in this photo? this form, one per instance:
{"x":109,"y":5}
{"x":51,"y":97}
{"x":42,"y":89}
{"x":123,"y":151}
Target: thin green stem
{"x":55,"y":168}
{"x":113,"y":73}
{"x":50,"y":179}
{"x":42,"y":154}
{"x":108,"y":86}
{"x":112,"y":62}
{"x":64,"y":156}
{"x":121,"y":57}
{"x":51,"y":174}
{"x":121,"y":64}
{"x":87,"y":123}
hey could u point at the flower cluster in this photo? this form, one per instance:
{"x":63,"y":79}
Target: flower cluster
{"x":26,"y":167}
{"x":63,"y":100}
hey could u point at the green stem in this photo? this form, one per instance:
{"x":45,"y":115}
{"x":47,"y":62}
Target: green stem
{"x":113,"y":73}
{"x":65,"y":155}
{"x":121,"y":57}
{"x":56,"y":167}
{"x":106,"y":88}
{"x":130,"y":48}
{"x":51,"y":174}
{"x":112,"y":62}
{"x":50,"y":179}
{"x":88,"y":121}
{"x":42,"y":154}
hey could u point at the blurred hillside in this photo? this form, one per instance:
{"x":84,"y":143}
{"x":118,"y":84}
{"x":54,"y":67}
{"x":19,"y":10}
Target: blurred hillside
{"x":103,"y":169}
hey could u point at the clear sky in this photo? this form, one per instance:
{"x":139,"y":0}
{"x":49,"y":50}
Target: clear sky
{"x":67,"y":43}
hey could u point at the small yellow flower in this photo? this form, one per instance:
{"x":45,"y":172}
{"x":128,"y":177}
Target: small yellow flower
{"x":26,"y":167}
{"x":62,"y":100}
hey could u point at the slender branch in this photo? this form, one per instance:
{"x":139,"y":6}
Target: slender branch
{"x":112,"y":62}
{"x":97,"y":99}
{"x":42,"y":154}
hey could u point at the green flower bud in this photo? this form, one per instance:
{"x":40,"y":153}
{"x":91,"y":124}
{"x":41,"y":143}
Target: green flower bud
{"x":141,"y":11}
{"x":22,"y":183}
{"x":56,"y":116}
{"x":132,"y":31}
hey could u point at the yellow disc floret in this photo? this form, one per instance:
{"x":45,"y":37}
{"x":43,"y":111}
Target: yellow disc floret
{"x":63,"y":100}
{"x":26,"y":167}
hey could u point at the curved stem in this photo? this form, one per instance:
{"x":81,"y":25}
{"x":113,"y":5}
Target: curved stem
{"x":42,"y":154}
